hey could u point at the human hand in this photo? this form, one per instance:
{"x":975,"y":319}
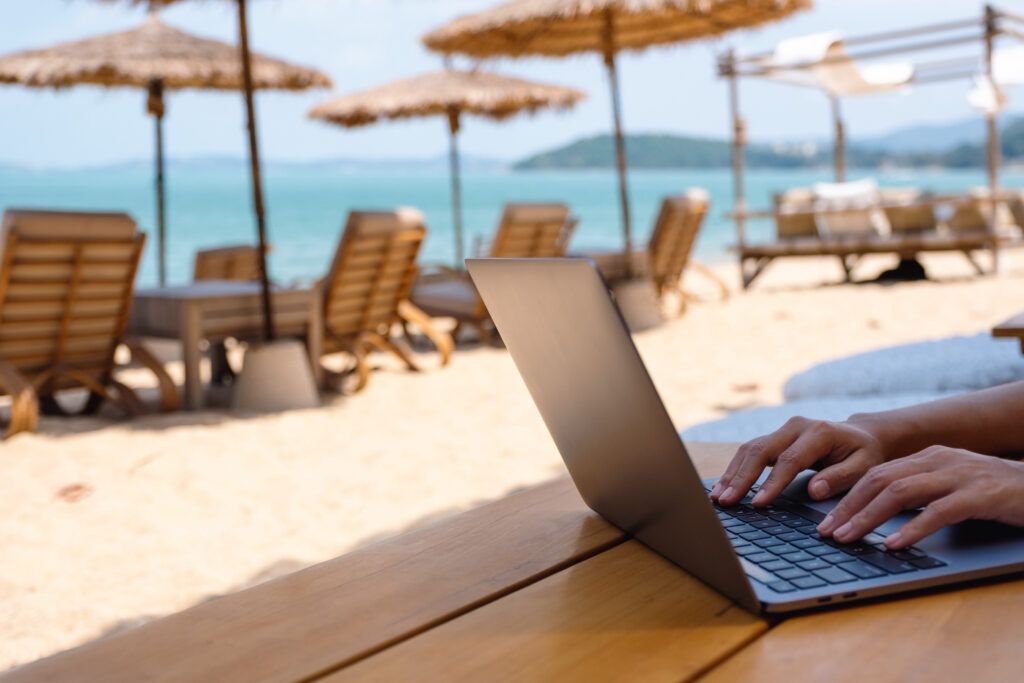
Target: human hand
{"x":844,"y":451}
{"x":951,"y":484}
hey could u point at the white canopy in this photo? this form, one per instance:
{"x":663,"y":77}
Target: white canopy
{"x":831,"y":68}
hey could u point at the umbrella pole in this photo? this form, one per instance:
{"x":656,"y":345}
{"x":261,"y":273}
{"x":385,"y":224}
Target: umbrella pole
{"x":620,"y":147}
{"x":453,"y":129}
{"x":254,"y":161}
{"x":155,"y":106}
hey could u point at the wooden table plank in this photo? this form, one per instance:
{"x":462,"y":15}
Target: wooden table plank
{"x":338,"y":612}
{"x":959,"y":635}
{"x":626,"y":614}
{"x":1014,"y":327}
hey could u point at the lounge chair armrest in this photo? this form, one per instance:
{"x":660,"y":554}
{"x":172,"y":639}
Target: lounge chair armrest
{"x":24,"y":403}
{"x":168,"y":391}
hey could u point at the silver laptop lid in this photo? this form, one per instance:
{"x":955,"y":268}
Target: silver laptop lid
{"x":571,"y":346}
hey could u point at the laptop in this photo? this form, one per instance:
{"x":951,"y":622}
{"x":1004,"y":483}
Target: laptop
{"x":570,"y":344}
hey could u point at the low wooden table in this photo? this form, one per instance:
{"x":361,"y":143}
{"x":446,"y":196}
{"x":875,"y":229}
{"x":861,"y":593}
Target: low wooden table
{"x":1012,"y":328}
{"x":217,"y":309}
{"x":537,"y":587}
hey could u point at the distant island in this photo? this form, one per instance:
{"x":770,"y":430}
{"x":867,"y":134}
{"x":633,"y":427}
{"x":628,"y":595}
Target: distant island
{"x":674,"y":151}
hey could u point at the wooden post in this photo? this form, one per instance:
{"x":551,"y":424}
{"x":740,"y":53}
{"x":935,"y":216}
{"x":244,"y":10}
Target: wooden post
{"x":453,"y":129}
{"x":739,"y":138}
{"x":620,"y":147}
{"x":155,"y":106}
{"x":254,"y":162}
{"x":839,"y":143}
{"x":991,"y":30}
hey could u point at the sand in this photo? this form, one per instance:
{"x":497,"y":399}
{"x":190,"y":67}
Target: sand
{"x":106,"y":523}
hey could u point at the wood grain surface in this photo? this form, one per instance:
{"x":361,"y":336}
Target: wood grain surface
{"x":624,"y":615}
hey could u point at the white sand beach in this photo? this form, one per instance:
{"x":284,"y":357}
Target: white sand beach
{"x":106,"y":523}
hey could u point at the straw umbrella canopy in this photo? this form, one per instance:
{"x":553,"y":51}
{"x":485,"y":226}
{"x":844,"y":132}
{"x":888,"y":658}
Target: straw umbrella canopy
{"x":154,"y":56}
{"x":558,"y":28}
{"x":254,"y":157}
{"x":447,"y":93}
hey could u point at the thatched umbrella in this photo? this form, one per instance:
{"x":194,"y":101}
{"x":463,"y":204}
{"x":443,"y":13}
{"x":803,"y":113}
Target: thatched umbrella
{"x":254,"y":157}
{"x":154,"y":56}
{"x":562,"y":27}
{"x":447,"y":93}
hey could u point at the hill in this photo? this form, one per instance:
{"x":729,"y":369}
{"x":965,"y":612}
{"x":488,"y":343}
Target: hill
{"x":674,"y":151}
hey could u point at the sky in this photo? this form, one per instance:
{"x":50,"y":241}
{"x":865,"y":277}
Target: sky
{"x":364,"y":43}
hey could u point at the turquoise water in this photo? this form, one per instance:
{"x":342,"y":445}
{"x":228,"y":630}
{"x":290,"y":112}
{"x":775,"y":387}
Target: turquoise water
{"x":306,"y":207}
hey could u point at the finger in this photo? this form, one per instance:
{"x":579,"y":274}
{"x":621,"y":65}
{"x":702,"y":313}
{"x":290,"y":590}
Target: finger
{"x":753,"y":464}
{"x":865,"y":490}
{"x":839,"y":477}
{"x":757,"y":451}
{"x":902,"y":494}
{"x":808,"y":448}
{"x":950,"y":509}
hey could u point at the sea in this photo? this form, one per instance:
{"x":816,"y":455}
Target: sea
{"x":306,"y":206}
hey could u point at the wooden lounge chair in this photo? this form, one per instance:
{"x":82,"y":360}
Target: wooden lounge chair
{"x":236,"y":262}
{"x":366,"y":291}
{"x":668,"y":250}
{"x":525,"y":231}
{"x":794,"y":214}
{"x":66,"y":283}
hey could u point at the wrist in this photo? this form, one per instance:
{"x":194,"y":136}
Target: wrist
{"x":893,"y":436}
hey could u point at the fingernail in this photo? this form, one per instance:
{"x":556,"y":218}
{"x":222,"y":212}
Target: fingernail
{"x":759,"y":497}
{"x":728,"y":493}
{"x":826,"y":524}
{"x":842,"y":532}
{"x":716,"y":488}
{"x":894,"y":541}
{"x":819,"y":488}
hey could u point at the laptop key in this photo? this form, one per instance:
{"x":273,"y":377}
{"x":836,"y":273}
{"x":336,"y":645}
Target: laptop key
{"x":927,"y":562}
{"x":889,"y":564}
{"x":761,"y":523}
{"x":782,"y":549}
{"x":835,"y":575}
{"x":856,"y":549}
{"x":753,"y":535}
{"x":808,"y":582}
{"x":776,"y":565}
{"x":835,"y":558}
{"x":794,"y":573}
{"x":799,"y":556}
{"x":730,"y":522}
{"x":908,"y":554}
{"x":776,"y":530}
{"x":814,"y":565}
{"x":781,"y":586}
{"x":769,"y":542}
{"x":748,"y":549}
{"x":783,"y":516}
{"x":791,"y":536}
{"x":819,"y":550}
{"x":805,"y":542}
{"x":760,"y":557}
{"x":861,"y":570}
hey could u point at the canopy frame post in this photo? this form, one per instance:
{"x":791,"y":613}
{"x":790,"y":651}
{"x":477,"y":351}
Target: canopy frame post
{"x":453,"y":152}
{"x":254,"y":163}
{"x":155,"y":107}
{"x":839,"y":141}
{"x":608,"y":40}
{"x":991,"y":27}
{"x":727,"y":67}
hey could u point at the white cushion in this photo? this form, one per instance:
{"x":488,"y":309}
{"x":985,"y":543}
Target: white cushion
{"x":952,"y":364}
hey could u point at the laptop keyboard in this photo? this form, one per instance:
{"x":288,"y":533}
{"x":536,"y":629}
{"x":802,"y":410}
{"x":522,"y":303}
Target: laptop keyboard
{"x":779,"y":547}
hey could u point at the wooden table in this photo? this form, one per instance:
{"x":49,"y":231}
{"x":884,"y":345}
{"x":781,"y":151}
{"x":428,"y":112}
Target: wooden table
{"x":1012,"y":328}
{"x":535,"y":587}
{"x":217,"y":309}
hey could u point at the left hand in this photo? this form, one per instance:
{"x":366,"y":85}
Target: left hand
{"x":951,"y":484}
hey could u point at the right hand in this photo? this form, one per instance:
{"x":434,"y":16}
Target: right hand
{"x":844,"y":451}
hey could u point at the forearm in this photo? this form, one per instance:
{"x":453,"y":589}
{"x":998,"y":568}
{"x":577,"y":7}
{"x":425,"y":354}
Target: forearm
{"x":990,"y":421}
